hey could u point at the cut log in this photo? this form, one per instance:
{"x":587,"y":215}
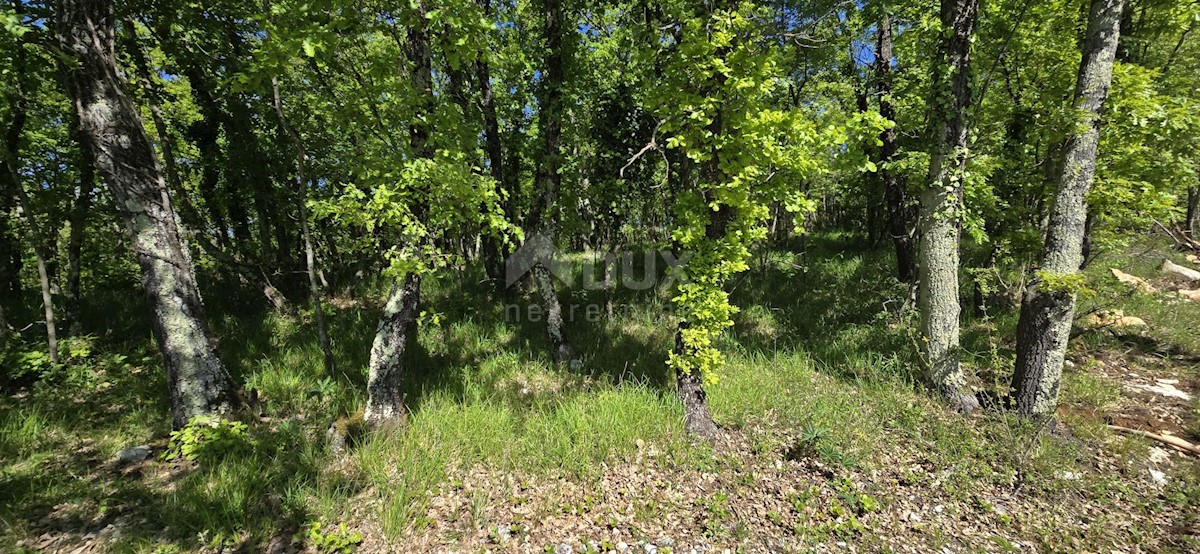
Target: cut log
{"x":1185,"y":272}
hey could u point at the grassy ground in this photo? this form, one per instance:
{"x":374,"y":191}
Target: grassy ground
{"x":829,"y":440}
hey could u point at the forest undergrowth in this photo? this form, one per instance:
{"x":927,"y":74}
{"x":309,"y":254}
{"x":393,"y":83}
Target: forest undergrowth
{"x":828,"y":440}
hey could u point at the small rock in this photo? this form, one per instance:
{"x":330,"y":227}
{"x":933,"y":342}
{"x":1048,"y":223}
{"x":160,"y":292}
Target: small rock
{"x":650,"y":548}
{"x":622,"y":546}
{"x":563,"y":548}
{"x":1193,"y":295}
{"x":503,"y":532}
{"x":133,"y":454}
{"x":1158,"y":476}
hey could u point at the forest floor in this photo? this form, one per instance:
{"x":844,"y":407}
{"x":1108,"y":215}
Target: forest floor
{"x":827,"y":444}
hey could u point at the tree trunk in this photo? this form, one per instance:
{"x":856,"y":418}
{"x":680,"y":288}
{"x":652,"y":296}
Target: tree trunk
{"x":940,"y":203}
{"x":78,"y":224}
{"x":385,"y":401}
{"x":1044,"y":327}
{"x":549,"y":180}
{"x":310,"y":259}
{"x":696,"y":419}
{"x":494,"y":248}
{"x":898,"y":225}
{"x":199,"y":383}
{"x":40,"y":253}
{"x":18,"y":102}
{"x":1192,"y":222}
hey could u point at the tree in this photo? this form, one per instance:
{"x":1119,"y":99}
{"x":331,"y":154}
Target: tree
{"x":198,"y":381}
{"x":18,"y":104}
{"x":941,"y":204}
{"x":898,"y":226}
{"x":548,"y":181}
{"x":1048,"y":307}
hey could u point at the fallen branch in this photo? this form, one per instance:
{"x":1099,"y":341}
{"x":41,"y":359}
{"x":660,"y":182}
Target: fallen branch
{"x":1182,"y":241}
{"x":1174,"y":442}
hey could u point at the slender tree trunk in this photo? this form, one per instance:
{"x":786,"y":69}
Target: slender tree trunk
{"x":10,"y":252}
{"x":18,"y":102}
{"x":314,"y":287}
{"x":494,"y":250}
{"x":940,"y":202}
{"x":549,"y":181}
{"x":40,"y":253}
{"x":397,"y":325}
{"x":1192,"y":222}
{"x":78,"y":224}
{"x":199,"y":383}
{"x":1044,"y":327}
{"x":898,"y":225}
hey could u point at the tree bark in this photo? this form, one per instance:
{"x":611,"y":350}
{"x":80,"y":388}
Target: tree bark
{"x":1192,"y":221}
{"x":494,"y":249}
{"x":940,"y":203}
{"x":898,"y":225}
{"x":198,"y":381}
{"x":696,"y":419}
{"x":18,"y":103}
{"x":1044,"y":327}
{"x":78,"y":224}
{"x":549,"y":180}
{"x":385,"y":401}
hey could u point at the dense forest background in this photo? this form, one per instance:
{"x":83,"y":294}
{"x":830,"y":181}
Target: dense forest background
{"x":429,"y":275}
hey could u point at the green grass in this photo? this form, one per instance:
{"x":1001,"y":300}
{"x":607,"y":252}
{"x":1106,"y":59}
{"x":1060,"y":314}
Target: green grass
{"x":820,"y":363}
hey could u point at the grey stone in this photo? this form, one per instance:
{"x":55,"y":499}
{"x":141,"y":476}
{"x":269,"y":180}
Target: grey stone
{"x":133,"y":454}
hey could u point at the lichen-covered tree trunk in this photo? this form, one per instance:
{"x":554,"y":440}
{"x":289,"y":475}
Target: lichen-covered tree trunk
{"x":199,"y":383}
{"x":549,"y":181}
{"x":940,"y":203}
{"x":898,"y":226}
{"x":385,"y":401}
{"x":1048,"y":307}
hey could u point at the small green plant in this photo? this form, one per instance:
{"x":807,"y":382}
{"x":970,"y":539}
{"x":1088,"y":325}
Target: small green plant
{"x":209,"y":439}
{"x":337,"y":540}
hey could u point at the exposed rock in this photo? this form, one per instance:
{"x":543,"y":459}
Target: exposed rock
{"x":133,"y":455}
{"x":1114,"y":318}
{"x":1136,"y":282}
{"x":1193,"y":295}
